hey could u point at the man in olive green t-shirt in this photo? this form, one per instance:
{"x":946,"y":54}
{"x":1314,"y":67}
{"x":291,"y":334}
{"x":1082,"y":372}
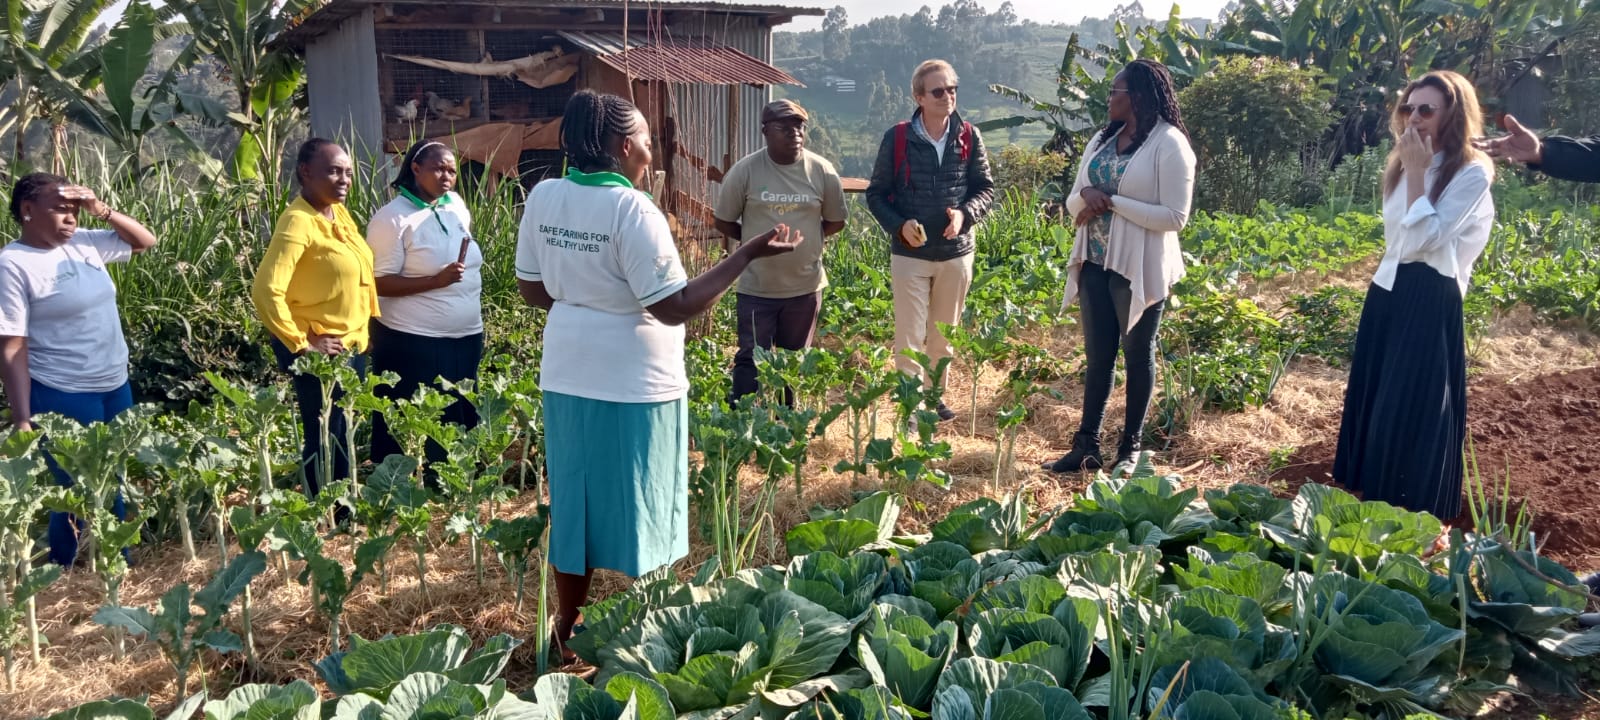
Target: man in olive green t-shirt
{"x":779,"y":297}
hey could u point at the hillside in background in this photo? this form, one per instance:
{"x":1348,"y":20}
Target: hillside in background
{"x":857,"y":76}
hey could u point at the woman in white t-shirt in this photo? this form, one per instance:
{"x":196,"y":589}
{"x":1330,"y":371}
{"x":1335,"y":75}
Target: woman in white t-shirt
{"x":598,"y":255}
{"x":427,"y":268}
{"x":61,"y":344}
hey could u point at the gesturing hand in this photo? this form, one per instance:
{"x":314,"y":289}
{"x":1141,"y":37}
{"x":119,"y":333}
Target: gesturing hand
{"x":776,"y":241}
{"x":958,"y":222}
{"x":1518,"y":145}
{"x":325,"y":344}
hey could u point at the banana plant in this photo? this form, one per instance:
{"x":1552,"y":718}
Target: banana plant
{"x":96,"y":457}
{"x":21,"y":501}
{"x":110,"y":95}
{"x":180,"y":633}
{"x":265,"y":76}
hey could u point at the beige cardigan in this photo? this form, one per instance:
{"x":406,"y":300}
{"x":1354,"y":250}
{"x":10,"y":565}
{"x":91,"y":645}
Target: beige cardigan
{"x":1149,"y":209}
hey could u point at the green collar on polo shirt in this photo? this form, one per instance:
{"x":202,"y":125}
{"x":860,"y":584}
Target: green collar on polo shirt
{"x":423,"y":204}
{"x":599,"y":179}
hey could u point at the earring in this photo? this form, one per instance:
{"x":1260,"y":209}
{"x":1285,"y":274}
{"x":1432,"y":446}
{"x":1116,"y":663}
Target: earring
{"x":27,"y":218}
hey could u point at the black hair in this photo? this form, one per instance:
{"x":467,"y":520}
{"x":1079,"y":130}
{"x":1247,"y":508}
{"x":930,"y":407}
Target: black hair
{"x":1154,"y":98}
{"x":308,"y":152}
{"x":591,"y":124}
{"x":423,"y":151}
{"x":29,"y":187}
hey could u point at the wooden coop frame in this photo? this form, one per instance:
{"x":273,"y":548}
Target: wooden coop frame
{"x":501,"y":72}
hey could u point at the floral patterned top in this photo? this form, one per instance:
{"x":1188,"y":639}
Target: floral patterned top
{"x":1105,"y":174}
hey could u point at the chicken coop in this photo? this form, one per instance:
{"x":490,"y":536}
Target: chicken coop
{"x":492,"y":77}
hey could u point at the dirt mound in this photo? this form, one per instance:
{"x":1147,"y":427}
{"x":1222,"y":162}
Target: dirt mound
{"x":1544,"y":434}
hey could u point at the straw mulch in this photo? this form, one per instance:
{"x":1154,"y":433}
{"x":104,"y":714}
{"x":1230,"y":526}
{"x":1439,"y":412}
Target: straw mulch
{"x":1216,"y":450}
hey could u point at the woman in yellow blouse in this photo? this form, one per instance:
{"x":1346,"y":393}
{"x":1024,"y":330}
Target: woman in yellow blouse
{"x":314,"y":289}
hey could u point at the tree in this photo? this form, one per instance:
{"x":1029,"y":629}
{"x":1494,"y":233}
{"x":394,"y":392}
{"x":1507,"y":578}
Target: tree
{"x":120,"y":101}
{"x":836,"y":37}
{"x":38,"y":38}
{"x":1247,"y":119}
{"x":265,"y":79}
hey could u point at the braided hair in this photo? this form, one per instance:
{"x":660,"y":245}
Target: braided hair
{"x":593,"y":128}
{"x":1154,"y":99}
{"x":308,"y":152}
{"x":422,"y":152}
{"x":31,"y":187}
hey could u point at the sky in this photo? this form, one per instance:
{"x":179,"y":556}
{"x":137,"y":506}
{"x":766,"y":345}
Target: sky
{"x":1041,"y":11}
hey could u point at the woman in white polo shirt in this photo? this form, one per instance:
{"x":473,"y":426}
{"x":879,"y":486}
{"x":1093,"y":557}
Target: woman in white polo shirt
{"x":427,"y":268}
{"x":61,"y":344}
{"x":598,"y":255}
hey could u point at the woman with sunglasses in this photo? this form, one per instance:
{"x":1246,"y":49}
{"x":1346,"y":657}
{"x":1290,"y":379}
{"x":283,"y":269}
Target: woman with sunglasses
{"x":1129,"y":202}
{"x":930,"y":188}
{"x":1405,"y":409}
{"x":428,"y":273}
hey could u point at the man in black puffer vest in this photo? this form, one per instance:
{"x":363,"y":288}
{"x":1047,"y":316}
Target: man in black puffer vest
{"x":930,"y":188}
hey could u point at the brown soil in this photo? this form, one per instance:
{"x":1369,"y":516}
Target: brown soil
{"x":1540,"y":435}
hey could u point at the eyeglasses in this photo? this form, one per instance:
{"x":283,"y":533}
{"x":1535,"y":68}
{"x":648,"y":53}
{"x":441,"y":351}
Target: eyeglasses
{"x":938,"y":93}
{"x":1121,"y":91}
{"x":1426,"y":110}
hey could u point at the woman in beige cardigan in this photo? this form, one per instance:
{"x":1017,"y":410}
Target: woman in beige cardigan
{"x":1129,"y":202}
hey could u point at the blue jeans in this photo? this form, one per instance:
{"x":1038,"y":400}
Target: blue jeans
{"x":85,"y":408}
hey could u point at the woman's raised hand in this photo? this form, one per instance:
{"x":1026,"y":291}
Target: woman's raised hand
{"x":85,"y":198}
{"x":1416,"y":152}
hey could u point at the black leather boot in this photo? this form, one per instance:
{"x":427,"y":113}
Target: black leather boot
{"x":1127,"y":450}
{"x":1085,"y":455}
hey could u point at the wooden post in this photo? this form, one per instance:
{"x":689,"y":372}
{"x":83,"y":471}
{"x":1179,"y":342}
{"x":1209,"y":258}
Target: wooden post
{"x":731,"y":155}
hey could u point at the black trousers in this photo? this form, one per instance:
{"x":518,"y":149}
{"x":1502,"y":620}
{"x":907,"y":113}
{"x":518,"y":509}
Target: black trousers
{"x":419,"y":359}
{"x":308,"y":396}
{"x":787,"y":323}
{"x":1104,"y":298}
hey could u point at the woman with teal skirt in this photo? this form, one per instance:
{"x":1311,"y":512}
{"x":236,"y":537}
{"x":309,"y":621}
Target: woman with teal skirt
{"x":598,"y":254}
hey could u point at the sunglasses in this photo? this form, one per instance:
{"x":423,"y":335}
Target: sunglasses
{"x":1426,"y":110}
{"x":938,"y":93}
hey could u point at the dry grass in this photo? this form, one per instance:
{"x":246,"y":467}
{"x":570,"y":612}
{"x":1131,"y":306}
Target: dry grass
{"x":1216,"y":450}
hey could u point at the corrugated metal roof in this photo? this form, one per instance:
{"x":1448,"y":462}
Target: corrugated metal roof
{"x":327,"y":15}
{"x":686,"y":61}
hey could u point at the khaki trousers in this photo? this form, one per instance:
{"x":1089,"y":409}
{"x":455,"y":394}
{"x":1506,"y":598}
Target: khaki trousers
{"x":926,"y":293}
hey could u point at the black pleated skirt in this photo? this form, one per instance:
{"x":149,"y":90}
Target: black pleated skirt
{"x":1405,"y":409}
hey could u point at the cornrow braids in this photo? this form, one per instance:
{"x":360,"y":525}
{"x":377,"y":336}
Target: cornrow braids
{"x":1154,"y":99}
{"x":422,"y":152}
{"x":592,"y":129}
{"x":30,"y":188}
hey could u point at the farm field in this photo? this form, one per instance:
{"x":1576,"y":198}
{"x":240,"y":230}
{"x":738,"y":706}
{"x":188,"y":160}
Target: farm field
{"x":1244,"y":423}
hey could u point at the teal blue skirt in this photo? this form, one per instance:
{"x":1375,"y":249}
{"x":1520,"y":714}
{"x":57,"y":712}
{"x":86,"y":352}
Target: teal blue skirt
{"x":619,"y":483}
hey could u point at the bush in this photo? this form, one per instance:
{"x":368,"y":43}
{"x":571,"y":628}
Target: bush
{"x":1324,"y":323}
{"x":1031,"y":173}
{"x":1249,"y":120}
